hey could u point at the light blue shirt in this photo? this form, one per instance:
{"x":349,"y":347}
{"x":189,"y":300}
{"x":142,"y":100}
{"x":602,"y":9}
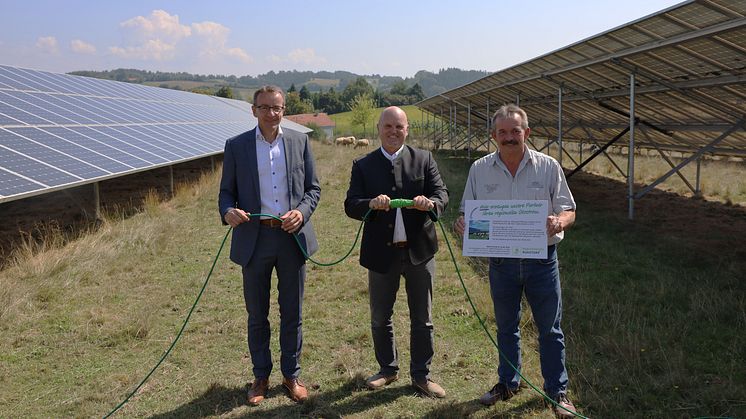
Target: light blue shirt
{"x":273,"y":179}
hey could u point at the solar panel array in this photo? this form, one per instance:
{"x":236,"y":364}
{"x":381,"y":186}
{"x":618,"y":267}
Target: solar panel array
{"x":689,"y":63}
{"x":59,"y":131}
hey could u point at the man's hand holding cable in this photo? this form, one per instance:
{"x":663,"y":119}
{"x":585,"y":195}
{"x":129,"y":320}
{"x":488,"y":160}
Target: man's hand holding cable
{"x":381,"y":202}
{"x":292,"y":221}
{"x":235,"y":216}
{"x":422,"y":203}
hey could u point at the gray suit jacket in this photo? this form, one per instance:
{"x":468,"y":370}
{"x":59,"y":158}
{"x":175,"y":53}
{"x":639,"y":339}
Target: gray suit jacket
{"x":239,"y":188}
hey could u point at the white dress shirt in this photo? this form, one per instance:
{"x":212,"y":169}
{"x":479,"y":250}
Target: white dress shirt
{"x":273,"y":179}
{"x":400,"y":234}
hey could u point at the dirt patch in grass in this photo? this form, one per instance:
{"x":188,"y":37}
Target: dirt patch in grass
{"x":710,"y":230}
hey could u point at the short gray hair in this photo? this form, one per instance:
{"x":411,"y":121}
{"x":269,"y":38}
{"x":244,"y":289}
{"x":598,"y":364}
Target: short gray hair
{"x":505,"y":112}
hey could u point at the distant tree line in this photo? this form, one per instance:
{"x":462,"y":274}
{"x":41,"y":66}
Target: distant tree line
{"x":331,"y":101}
{"x":324,"y":91}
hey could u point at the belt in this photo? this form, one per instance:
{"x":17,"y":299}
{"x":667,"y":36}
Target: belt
{"x":400,"y":244}
{"x":270,"y":222}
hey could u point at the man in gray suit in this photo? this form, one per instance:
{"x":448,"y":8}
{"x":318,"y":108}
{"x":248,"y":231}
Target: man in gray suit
{"x":270,"y":170}
{"x":399,"y":243}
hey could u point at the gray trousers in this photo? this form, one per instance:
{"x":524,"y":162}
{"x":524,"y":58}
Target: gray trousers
{"x":382,"y":288}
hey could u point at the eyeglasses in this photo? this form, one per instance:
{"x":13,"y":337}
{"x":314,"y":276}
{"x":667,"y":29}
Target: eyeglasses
{"x":275,"y":109}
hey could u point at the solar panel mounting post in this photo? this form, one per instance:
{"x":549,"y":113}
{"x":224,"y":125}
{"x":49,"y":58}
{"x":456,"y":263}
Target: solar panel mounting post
{"x":489,"y":118}
{"x":97,"y":200}
{"x":468,"y":130}
{"x":631,"y":150}
{"x":171,"y":179}
{"x":559,"y":124}
{"x":452,"y":124}
{"x":698,"y":191}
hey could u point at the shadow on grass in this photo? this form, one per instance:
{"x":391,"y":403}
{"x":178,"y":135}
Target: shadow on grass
{"x":218,"y":400}
{"x":469,"y":408}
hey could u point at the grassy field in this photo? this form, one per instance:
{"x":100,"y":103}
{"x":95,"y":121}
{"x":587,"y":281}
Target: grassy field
{"x":654,"y":327}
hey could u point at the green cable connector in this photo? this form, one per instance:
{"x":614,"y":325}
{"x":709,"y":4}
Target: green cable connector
{"x":401,"y":203}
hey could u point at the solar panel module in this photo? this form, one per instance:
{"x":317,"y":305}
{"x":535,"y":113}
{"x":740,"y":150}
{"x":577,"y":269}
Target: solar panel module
{"x":58,"y":131}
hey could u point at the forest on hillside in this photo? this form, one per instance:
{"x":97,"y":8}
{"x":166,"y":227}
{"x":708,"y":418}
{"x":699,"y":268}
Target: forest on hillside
{"x":314,"y":81}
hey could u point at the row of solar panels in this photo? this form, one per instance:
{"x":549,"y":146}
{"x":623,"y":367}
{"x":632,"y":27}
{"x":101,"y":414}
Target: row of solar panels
{"x":33,"y":108}
{"x":16,"y":78}
{"x":59,"y":131}
{"x":34,"y":158}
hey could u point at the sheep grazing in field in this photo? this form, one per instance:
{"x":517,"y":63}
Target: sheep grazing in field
{"x":363,"y":142}
{"x":345,"y":141}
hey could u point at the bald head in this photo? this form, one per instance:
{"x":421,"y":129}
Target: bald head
{"x":393,"y":129}
{"x":395,"y":110}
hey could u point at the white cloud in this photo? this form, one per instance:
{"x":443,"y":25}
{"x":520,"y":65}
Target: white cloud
{"x":299,"y":56}
{"x":239,"y":53}
{"x":82,"y":47}
{"x":212,"y":38}
{"x":154,"y":49}
{"x":47,"y":44}
{"x":212,"y":31}
{"x":159,"y":25}
{"x":305,"y":56}
{"x":162,"y":37}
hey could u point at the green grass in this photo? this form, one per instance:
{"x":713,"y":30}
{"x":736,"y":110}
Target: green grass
{"x":652,"y":332}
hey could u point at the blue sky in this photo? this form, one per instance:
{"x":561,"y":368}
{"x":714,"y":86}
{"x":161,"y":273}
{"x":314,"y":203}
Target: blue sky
{"x":252,"y":37}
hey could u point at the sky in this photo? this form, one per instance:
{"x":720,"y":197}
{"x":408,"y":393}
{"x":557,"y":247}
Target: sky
{"x":393,"y":38}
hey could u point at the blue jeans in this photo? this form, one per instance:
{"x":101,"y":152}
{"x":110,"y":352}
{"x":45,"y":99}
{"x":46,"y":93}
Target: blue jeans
{"x":539,"y":279}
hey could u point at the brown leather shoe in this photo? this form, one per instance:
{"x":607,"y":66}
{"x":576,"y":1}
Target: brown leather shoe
{"x":429,"y":388}
{"x":498,"y":392}
{"x":296,"y":390}
{"x":380,"y":380}
{"x":564,"y":407}
{"x":258,"y":391}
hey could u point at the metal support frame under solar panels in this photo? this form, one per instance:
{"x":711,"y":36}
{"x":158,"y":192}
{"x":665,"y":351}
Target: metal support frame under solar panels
{"x":59,"y":131}
{"x":674,"y":81}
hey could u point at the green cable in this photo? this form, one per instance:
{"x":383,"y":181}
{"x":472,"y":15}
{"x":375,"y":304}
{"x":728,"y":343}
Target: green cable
{"x":395,"y":203}
{"x":300,"y":246}
{"x":199,"y":296}
{"x":183,"y":326}
{"x":489,"y":335}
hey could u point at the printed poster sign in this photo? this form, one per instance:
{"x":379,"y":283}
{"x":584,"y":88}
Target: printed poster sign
{"x":506,"y":228}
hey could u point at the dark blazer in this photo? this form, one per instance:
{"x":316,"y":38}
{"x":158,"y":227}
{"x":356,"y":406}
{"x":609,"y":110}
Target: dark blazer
{"x":239,"y":188}
{"x":413,"y":173}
